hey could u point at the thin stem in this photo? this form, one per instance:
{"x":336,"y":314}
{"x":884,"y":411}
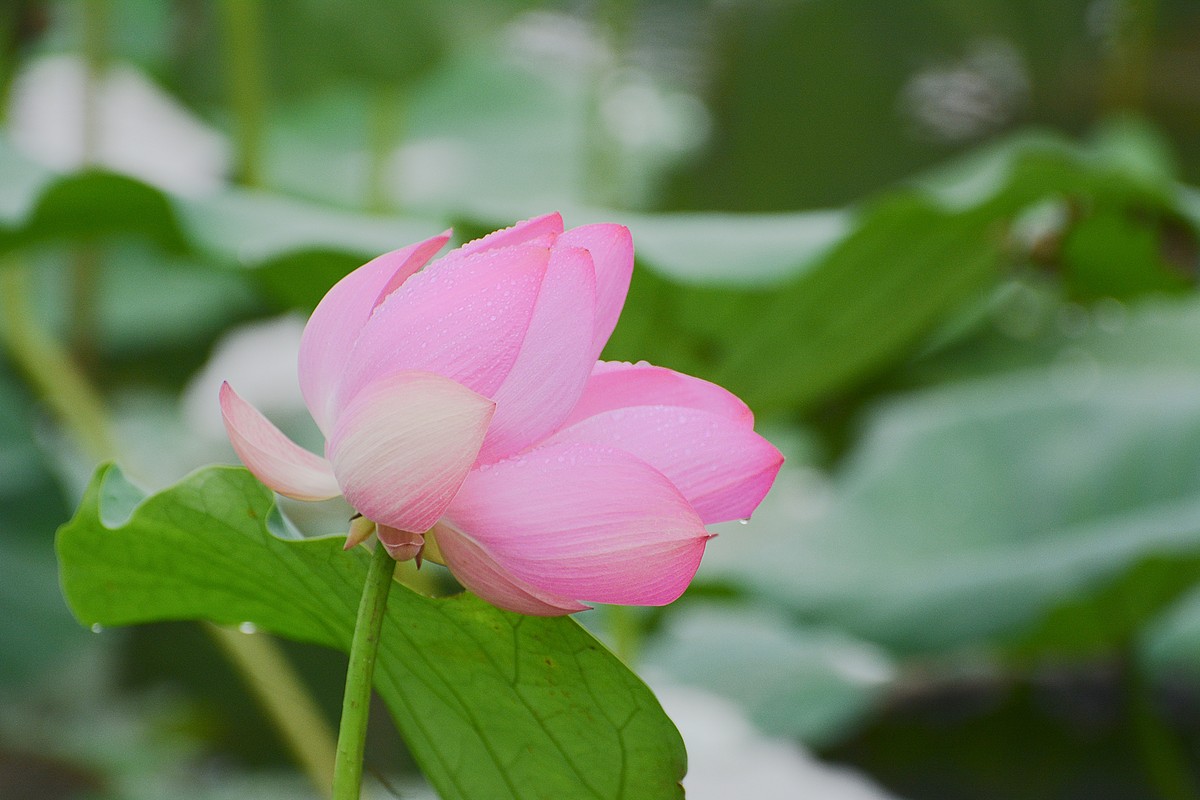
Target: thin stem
{"x":625,"y":632}
{"x":86,"y":258}
{"x":95,"y":59}
{"x":1132,"y":48}
{"x":49,"y":368}
{"x":247,"y":85}
{"x":604,"y":167}
{"x":385,"y":120}
{"x":1163,"y":758}
{"x":281,"y":694}
{"x":12,"y":16}
{"x":352,"y":735}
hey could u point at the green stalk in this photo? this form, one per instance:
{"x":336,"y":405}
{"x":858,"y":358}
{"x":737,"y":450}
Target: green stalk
{"x":86,"y":258}
{"x":385,"y":120}
{"x":95,"y":58}
{"x":352,"y":735}
{"x":1132,"y":48}
{"x":11,"y":16}
{"x":625,"y":632}
{"x":604,"y":170}
{"x":247,"y":85}
{"x":1162,"y":755}
{"x":281,"y":694}
{"x":49,"y":369}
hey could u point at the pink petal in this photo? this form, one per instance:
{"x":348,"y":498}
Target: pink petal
{"x":540,"y":230}
{"x":581,"y":521}
{"x":611,"y":247}
{"x":555,"y":359}
{"x":341,"y":314}
{"x":616,"y":384}
{"x":483,"y":576}
{"x":402,"y":447}
{"x":723,"y":468}
{"x":274,"y":459}
{"x":464,"y":320}
{"x":401,"y":545}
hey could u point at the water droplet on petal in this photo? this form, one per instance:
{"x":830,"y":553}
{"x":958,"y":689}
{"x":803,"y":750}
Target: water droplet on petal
{"x":743,"y":522}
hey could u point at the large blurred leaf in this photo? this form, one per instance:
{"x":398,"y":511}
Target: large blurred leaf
{"x":88,"y":205}
{"x":493,"y":704}
{"x":245,"y":226}
{"x":870,"y":295}
{"x":858,"y":307}
{"x":971,"y":511}
{"x":1112,"y":613}
{"x":808,"y":683}
{"x":296,"y":250}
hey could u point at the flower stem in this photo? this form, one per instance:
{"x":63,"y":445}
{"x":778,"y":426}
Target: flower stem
{"x":247,"y":85}
{"x":352,"y":735}
{"x":281,"y":694}
{"x":384,"y":124}
{"x":625,"y":632}
{"x":85,"y":262}
{"x":1131,"y":49}
{"x":95,"y":59}
{"x":49,"y":369}
{"x":1163,"y":757}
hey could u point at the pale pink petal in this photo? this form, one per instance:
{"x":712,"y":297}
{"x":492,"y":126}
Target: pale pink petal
{"x":616,"y":384}
{"x":483,"y":576}
{"x":723,"y":468}
{"x":401,"y":545}
{"x":402,"y":447}
{"x":361,"y":529}
{"x":586,"y":522}
{"x":539,"y":230}
{"x":612,"y":252}
{"x":555,"y":359}
{"x":465,"y":321}
{"x":274,"y":459}
{"x":341,"y":314}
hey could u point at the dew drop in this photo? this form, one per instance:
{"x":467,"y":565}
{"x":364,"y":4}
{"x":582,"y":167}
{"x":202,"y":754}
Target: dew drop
{"x":97,"y":627}
{"x":743,"y":522}
{"x":248,"y":627}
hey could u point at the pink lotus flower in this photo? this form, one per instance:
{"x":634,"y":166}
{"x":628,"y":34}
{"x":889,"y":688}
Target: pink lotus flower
{"x":466,"y":416}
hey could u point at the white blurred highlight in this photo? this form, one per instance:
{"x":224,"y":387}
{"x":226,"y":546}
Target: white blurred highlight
{"x":140,"y":129}
{"x":728,"y":757}
{"x":260,"y":361}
